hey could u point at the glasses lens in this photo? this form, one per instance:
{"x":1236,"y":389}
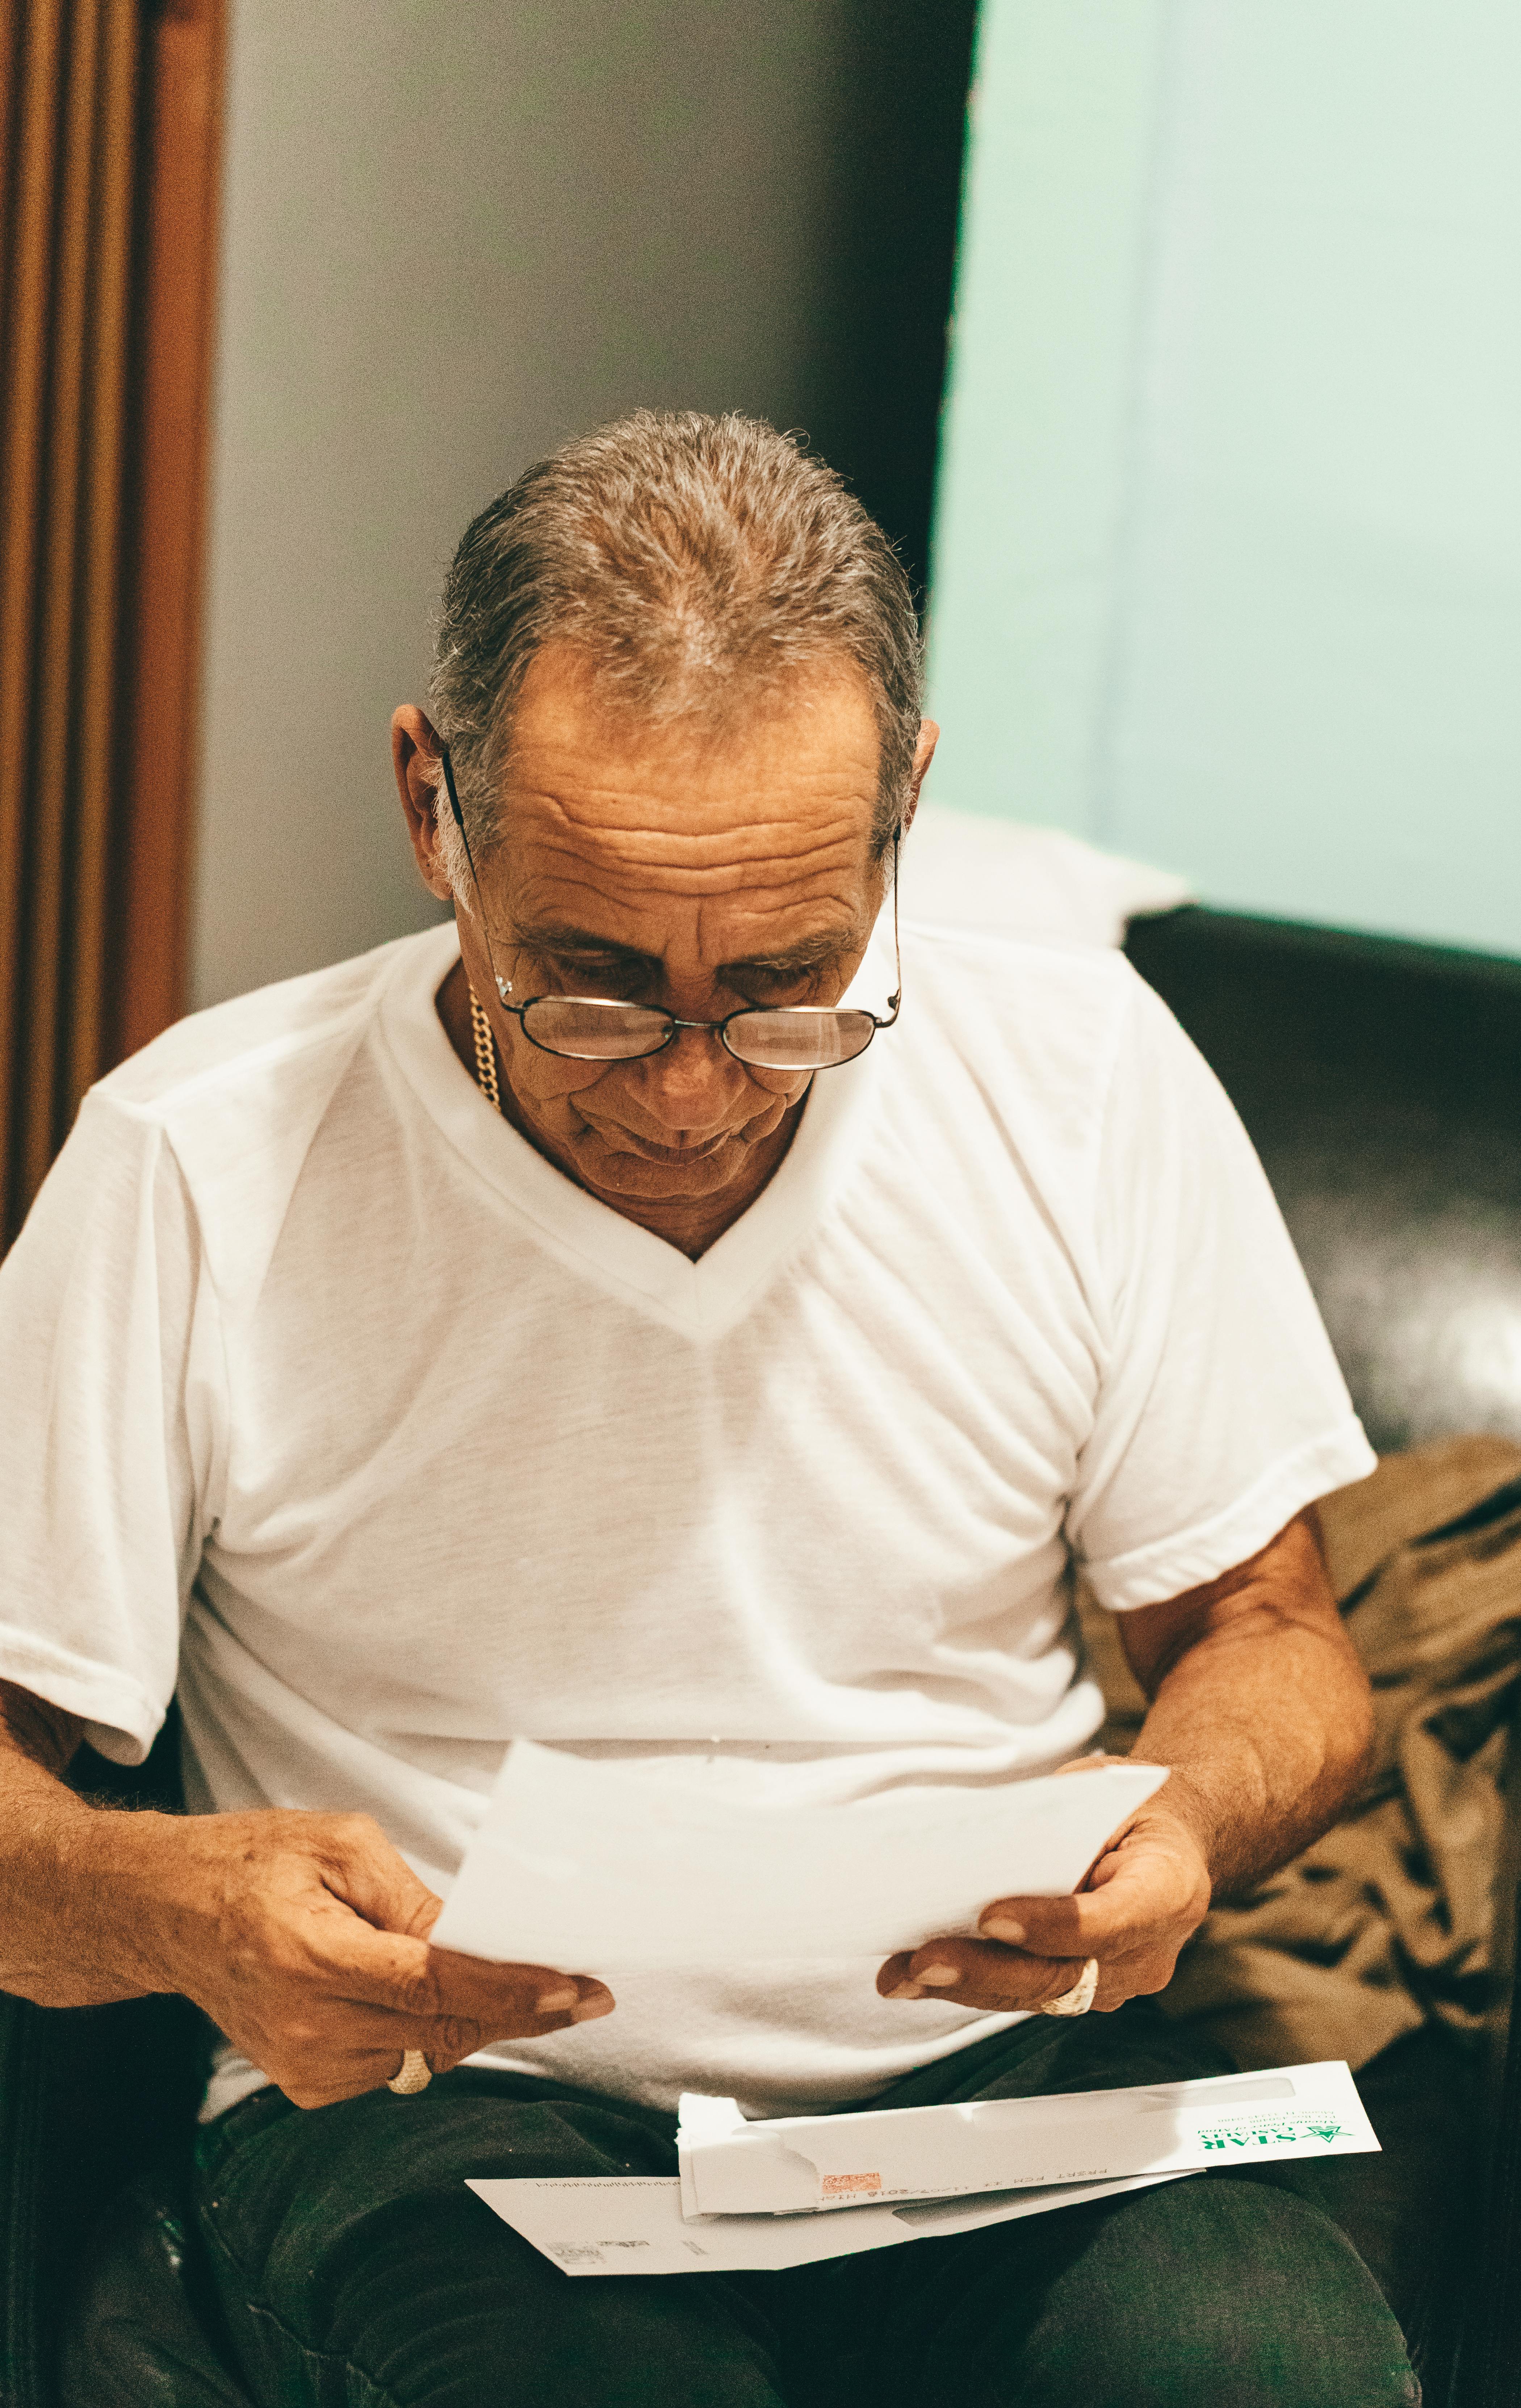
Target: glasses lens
{"x":589,"y":1031}
{"x":798,"y":1040}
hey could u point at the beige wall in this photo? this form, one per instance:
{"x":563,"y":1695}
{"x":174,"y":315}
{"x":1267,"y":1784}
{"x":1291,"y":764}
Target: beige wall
{"x":454,"y":234}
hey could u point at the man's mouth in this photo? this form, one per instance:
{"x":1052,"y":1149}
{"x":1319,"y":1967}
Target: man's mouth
{"x":648,"y":1151}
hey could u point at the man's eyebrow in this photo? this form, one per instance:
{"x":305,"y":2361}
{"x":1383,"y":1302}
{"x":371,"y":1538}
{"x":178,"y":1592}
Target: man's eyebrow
{"x":807,"y":954}
{"x":554,"y":936}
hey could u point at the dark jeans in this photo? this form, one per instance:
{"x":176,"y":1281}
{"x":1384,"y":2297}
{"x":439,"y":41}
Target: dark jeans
{"x":357,"y":2272}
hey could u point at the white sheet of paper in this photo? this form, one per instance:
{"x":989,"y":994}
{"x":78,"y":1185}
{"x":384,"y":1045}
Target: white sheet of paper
{"x":585,"y":1866}
{"x":633,"y":2225}
{"x":788,"y":2165}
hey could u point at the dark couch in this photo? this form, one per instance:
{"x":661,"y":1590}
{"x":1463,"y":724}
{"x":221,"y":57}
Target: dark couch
{"x":1381,"y":1085}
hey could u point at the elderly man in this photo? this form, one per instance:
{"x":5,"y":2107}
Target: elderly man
{"x":652,"y":1315}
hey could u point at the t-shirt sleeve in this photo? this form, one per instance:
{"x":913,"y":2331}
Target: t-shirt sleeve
{"x":110,"y":1363}
{"x":1220,"y":1409}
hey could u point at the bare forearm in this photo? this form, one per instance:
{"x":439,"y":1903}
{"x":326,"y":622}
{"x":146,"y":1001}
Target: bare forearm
{"x":1267,"y":1725}
{"x":1263,"y":1713}
{"x":304,"y":1936}
{"x":74,"y":1880}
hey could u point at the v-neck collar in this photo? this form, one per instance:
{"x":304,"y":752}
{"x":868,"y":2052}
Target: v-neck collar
{"x":703,"y":1297}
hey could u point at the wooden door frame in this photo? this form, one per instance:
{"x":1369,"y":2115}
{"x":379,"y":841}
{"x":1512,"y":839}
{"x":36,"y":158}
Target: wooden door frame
{"x":183,"y":75}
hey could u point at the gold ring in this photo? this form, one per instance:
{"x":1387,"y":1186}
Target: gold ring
{"x":414,"y":2074}
{"x":1079,"y":1998}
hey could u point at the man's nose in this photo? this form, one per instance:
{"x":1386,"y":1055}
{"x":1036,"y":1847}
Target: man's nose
{"x":692,"y":1083}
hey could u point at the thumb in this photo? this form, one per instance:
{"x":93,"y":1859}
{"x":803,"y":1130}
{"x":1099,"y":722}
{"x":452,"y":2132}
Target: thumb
{"x":360,"y":1866}
{"x":1074,"y":1926}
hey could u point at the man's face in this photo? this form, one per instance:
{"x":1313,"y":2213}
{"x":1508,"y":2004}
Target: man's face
{"x":662,"y":863}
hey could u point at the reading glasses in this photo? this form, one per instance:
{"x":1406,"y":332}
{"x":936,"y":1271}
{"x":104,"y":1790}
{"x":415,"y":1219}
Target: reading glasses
{"x":767,"y":1036}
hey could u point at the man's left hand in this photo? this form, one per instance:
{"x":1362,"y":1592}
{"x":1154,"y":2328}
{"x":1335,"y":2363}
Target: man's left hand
{"x":1146,"y":1894}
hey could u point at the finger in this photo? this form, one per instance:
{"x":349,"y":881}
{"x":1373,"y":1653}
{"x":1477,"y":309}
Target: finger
{"x":362,"y":1871}
{"x":341,"y":2026}
{"x":360,"y":1866}
{"x":535,"y":1996}
{"x":313,"y":2063}
{"x":457,"y":1981}
{"x":351,"y":1961}
{"x":979,"y":1973}
{"x":973,"y":1973}
{"x":367,"y":1912}
{"x":412,"y":1979}
{"x":446,"y":2041}
{"x":322,"y":2083}
{"x":1139,"y":1892}
{"x":371,"y":2069}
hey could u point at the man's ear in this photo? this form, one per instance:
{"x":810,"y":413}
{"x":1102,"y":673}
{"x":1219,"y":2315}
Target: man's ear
{"x":924,"y":752}
{"x":416,"y":751}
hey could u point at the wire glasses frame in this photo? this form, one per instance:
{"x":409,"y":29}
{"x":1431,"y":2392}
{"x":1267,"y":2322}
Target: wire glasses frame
{"x":765,"y":1037}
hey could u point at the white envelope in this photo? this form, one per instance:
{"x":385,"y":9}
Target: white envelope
{"x":632,"y":2224}
{"x":788,"y":2165}
{"x":586,"y":1866}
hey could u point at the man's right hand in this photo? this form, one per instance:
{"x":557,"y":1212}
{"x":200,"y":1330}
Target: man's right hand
{"x":304,"y":1937}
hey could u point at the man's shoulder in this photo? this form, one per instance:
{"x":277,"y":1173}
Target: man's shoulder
{"x":1009,"y":1053}
{"x":1051,"y":1001}
{"x":1002,"y":957}
{"x":236,"y":1097}
{"x":273,"y":1043}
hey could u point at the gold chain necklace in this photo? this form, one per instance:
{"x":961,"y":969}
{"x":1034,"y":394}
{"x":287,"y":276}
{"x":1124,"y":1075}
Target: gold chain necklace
{"x":485,"y":1052}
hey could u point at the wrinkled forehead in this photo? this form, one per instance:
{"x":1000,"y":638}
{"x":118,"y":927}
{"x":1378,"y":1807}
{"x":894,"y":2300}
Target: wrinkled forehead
{"x":764,"y":805}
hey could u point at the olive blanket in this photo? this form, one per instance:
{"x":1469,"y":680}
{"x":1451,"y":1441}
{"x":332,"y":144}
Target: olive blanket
{"x":1391,"y":1919}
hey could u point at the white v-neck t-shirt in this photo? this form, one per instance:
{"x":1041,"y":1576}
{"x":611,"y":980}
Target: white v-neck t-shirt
{"x":326,"y":1401}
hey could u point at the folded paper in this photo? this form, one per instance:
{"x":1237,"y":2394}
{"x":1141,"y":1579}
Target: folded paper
{"x":632,"y":2224}
{"x":800,"y":2164}
{"x":589,"y":1866}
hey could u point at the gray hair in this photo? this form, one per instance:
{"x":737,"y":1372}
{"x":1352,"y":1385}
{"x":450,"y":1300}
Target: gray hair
{"x":695,"y":562}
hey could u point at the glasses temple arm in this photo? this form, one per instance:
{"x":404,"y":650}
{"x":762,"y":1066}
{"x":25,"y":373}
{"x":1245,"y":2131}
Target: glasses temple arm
{"x":896,"y":998}
{"x":452,"y":792}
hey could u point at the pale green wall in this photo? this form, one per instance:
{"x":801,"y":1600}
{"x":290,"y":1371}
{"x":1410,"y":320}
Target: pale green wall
{"x":1228,"y":566}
